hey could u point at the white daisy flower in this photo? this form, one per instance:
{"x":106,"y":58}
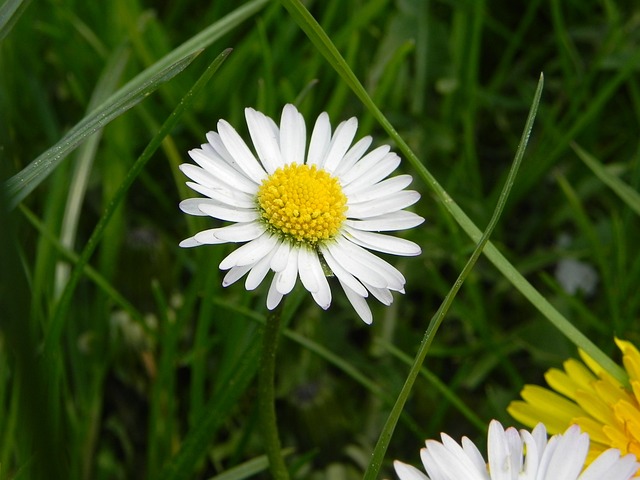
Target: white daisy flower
{"x":303,"y":214}
{"x":520,"y":455}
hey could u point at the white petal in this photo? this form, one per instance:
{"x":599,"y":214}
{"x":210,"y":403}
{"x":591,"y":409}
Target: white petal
{"x":392,"y":203}
{"x":532,"y":460}
{"x":281,"y":258}
{"x":216,"y":148}
{"x":383,"y":295}
{"x":539,"y":435}
{"x":343,"y":275}
{"x":293,"y":135}
{"x":264,"y":141}
{"x":356,"y":267}
{"x":498,"y":452}
{"x":198,"y":175}
{"x":225,"y":196}
{"x":238,"y":232}
{"x":235,"y":274}
{"x":365,"y":164}
{"x":455,"y":463}
{"x":273,"y":297}
{"x":308,"y":264}
{"x":474,"y":455}
{"x":192,"y":206}
{"x":372,"y":174}
{"x":240,"y":152}
{"x":432,"y":468}
{"x":225,"y":173}
{"x":407,"y":472}
{"x":359,"y":304}
{"x":286,"y":279}
{"x":249,"y":253}
{"x":611,"y":466}
{"x":340,"y":143}
{"x":354,"y":154}
{"x":323,"y":296}
{"x":320,"y":139}
{"x":313,"y":278}
{"x":230,"y":214}
{"x":259,"y":271}
{"x":394,"y":279}
{"x":377,"y":191}
{"x":567,"y":458}
{"x":400,"y":220}
{"x":189,"y":243}
{"x":382,"y":243}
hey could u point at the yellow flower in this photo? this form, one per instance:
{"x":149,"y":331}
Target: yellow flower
{"x":588,"y":396}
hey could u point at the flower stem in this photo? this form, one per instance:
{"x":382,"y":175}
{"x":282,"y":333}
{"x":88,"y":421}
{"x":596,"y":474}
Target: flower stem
{"x":266,"y":396}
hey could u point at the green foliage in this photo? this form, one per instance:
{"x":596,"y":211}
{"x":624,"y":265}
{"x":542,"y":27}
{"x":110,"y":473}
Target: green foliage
{"x":121,"y":355}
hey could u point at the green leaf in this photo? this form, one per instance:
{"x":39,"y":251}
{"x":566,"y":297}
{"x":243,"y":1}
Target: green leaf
{"x":627,"y":194}
{"x":10,"y":11}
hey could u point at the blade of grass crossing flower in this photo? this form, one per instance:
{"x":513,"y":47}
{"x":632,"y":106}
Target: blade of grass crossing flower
{"x":436,"y":320}
{"x":320,"y":39}
{"x":627,"y":194}
{"x":10,"y":12}
{"x":25,"y":181}
{"x":55,"y":328}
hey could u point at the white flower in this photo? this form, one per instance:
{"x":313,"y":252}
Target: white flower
{"x":303,"y":215}
{"x":520,"y":455}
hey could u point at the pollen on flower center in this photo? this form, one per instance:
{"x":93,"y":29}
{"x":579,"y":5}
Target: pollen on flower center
{"x":302,"y":203}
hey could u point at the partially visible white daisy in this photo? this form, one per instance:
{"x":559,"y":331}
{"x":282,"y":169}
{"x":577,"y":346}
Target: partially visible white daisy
{"x":303,"y":213}
{"x":520,"y":455}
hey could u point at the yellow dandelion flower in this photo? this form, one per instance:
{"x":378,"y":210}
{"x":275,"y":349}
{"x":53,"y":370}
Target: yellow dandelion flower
{"x":586,"y":395}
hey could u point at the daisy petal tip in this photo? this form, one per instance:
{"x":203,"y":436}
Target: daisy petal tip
{"x":189,"y":243}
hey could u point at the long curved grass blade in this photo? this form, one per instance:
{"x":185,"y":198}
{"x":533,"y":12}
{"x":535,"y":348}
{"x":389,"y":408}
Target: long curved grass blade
{"x":10,"y":12}
{"x":627,"y":194}
{"x":23,"y":183}
{"x":84,"y":162}
{"x":322,"y":42}
{"x":249,"y":468}
{"x":55,"y":329}
{"x":438,"y":317}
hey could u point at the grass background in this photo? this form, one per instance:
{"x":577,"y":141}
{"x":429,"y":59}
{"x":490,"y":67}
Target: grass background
{"x":151,"y":347}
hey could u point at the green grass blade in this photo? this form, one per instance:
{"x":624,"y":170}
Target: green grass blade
{"x":55,"y":329}
{"x":322,"y":42}
{"x":71,"y":257}
{"x":77,"y":186}
{"x":436,"y":320}
{"x":24,"y":182}
{"x":627,"y":194}
{"x":10,"y":12}
{"x":441,"y":387}
{"x":198,"y":440}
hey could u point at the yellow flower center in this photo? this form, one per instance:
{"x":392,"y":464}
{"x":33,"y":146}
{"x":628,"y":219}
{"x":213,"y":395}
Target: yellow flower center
{"x":302,"y":203}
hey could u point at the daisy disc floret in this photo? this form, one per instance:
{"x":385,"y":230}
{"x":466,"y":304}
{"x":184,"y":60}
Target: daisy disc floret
{"x":519,"y":455}
{"x":303,"y":213}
